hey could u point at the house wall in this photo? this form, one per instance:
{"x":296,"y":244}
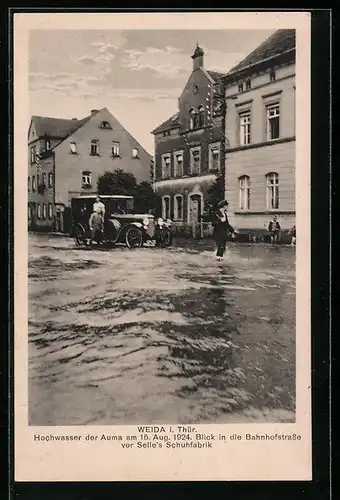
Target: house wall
{"x":261,"y":156}
{"x":69,"y":167}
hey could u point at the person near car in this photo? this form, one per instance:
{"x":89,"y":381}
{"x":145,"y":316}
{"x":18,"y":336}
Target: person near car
{"x":221,"y":228}
{"x":274,"y":229}
{"x":99,"y":206}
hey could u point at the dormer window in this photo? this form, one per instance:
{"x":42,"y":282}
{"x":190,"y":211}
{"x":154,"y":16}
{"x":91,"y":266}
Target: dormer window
{"x":248,"y":84}
{"x":105,"y":125}
{"x":135,"y":153}
{"x":240,"y":87}
{"x":272,"y":76}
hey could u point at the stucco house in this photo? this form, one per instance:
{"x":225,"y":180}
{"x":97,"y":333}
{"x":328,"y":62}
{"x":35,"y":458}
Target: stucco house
{"x":260,"y":126}
{"x":66,"y":157}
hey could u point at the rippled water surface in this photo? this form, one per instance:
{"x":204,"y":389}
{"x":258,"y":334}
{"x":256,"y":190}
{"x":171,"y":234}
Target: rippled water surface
{"x":160,"y":336}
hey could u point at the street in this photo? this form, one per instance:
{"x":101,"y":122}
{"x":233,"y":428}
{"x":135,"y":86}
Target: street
{"x":120,"y":336}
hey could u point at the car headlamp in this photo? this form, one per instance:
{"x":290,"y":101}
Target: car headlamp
{"x":146,"y":221}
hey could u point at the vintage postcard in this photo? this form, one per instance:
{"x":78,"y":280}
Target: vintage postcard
{"x":162,"y":246}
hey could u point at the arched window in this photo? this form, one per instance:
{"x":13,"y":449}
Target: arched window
{"x":166,"y":207}
{"x":272,"y":181}
{"x":201,"y":116}
{"x":193,"y":118}
{"x":244,"y":192}
{"x":178,"y":207}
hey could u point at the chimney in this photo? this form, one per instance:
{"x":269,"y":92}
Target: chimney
{"x":94,"y":111}
{"x":197,"y":58}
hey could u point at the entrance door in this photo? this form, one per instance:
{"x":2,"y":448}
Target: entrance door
{"x":195,"y":207}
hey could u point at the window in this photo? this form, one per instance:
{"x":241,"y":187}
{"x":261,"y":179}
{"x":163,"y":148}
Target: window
{"x":248,"y":84}
{"x":272,"y":191}
{"x":34,"y":185}
{"x":38,"y":211}
{"x":245,"y":128}
{"x":178,"y":207}
{"x":44,"y":179}
{"x":86,"y":178}
{"x":178,"y":164}
{"x":33,"y":154}
{"x":272,"y":76}
{"x":214,"y":157}
{"x":195,"y":161}
{"x":105,"y":125}
{"x":29,"y":184}
{"x":273,"y":122}
{"x":50,"y":211}
{"x":240,"y":87}
{"x":50,"y":179}
{"x":135,"y":153}
{"x":47,"y":144}
{"x":115,"y":148}
{"x":166,"y":207}
{"x":166,"y":133}
{"x":244,"y":192}
{"x":73,"y":148}
{"x":166,"y":166}
{"x":44,"y":211}
{"x":201,"y":116}
{"x":193,"y":118}
{"x":94,"y":147}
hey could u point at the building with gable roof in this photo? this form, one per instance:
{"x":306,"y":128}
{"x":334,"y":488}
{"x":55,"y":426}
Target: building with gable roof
{"x":260,"y":127}
{"x":189,"y":146}
{"x":66,"y":157}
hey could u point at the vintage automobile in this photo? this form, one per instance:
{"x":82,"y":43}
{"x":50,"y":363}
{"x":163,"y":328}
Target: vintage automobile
{"x":121,"y":225}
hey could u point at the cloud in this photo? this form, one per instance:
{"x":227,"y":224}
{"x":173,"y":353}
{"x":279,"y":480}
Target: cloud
{"x":88,"y":60}
{"x":168,"y":62}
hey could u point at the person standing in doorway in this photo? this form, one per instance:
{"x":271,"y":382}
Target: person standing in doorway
{"x":221,"y":228}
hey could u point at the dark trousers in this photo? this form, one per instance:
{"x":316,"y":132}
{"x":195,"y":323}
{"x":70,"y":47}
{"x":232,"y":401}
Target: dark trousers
{"x":221,"y":241}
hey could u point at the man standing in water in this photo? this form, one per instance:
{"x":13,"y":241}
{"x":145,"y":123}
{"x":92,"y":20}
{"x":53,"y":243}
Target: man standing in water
{"x":221,"y":228}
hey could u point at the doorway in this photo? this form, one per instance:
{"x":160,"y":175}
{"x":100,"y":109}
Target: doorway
{"x":195,"y":207}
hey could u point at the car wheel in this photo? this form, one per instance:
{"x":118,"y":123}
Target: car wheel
{"x":80,"y":235}
{"x":134,"y":237}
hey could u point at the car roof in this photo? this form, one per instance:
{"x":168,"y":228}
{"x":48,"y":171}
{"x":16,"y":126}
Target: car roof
{"x":103,"y":196}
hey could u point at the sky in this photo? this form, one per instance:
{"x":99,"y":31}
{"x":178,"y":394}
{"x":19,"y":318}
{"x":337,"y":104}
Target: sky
{"x":137,"y":75}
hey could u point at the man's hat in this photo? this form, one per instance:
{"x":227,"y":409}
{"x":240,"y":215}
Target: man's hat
{"x":222,"y":203}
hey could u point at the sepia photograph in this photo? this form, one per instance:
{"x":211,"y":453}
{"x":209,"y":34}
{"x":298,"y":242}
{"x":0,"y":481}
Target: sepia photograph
{"x":165,"y":291}
{"x":161,"y":219}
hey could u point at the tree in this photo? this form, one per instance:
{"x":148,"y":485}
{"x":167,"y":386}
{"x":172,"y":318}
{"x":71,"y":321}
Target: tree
{"x":215,"y":195}
{"x":145,"y":198}
{"x":117,"y":182}
{"x":120,"y":182}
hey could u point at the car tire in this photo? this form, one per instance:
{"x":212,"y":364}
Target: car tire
{"x":134,"y":237}
{"x":79,"y":235}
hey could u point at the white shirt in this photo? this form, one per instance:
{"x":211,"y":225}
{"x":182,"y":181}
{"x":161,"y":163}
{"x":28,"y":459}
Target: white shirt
{"x":99,"y":206}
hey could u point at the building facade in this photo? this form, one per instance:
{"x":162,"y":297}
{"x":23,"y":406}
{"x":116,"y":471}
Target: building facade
{"x":66,"y":157}
{"x":189,"y":146}
{"x":260,"y":126}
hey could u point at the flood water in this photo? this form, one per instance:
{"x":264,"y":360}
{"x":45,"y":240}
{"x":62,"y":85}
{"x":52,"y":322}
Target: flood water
{"x":160,"y":335}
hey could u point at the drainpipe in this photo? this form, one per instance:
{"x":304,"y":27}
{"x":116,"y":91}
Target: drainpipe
{"x":53,"y":192}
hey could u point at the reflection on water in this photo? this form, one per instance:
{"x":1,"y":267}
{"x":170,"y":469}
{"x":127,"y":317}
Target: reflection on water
{"x":202,"y":352}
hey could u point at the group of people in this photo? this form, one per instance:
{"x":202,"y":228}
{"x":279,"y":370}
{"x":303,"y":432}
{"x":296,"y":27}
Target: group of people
{"x":222,"y":229}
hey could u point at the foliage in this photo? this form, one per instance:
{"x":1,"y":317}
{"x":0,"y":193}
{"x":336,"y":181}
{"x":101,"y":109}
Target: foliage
{"x":124,"y":183}
{"x":215,"y":193}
